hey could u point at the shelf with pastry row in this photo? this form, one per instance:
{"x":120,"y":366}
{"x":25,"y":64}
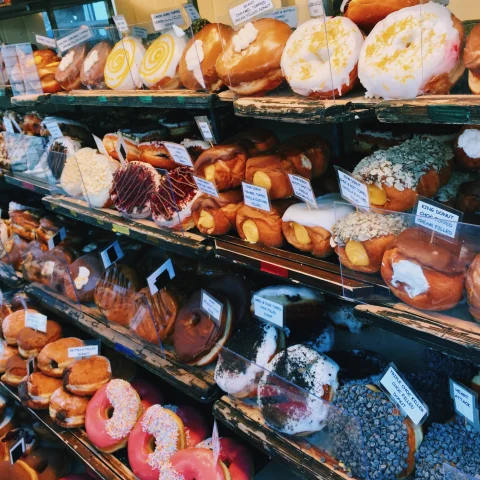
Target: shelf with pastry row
{"x":28,"y":183}
{"x":196,"y":382}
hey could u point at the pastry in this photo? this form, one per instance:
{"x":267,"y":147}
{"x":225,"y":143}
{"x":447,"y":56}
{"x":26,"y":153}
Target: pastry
{"x":25,"y":221}
{"x":6,"y":352}
{"x":67,"y":410}
{"x":424,"y":272}
{"x":70,"y":128}
{"x":68,"y":71}
{"x":130,"y":141}
{"x":13,"y":324}
{"x":414,"y":51}
{"x":156,"y":154}
{"x":449,"y":194}
{"x":250,"y":61}
{"x":86,"y":375}
{"x":320,"y":59}
{"x":81,"y":278}
{"x":197,"y":65}
{"x":159,"y":67}
{"x":49,"y":227}
{"x":195,"y":147}
{"x":15,"y":371}
{"x":361,"y":238}
{"x":30,"y":342}
{"x":123,"y":64}
{"x":472,"y":59}
{"x":254,"y":140}
{"x":309,"y":229}
{"x":54,"y":359}
{"x":12,"y":438}
{"x":198,"y":462}
{"x":42,"y":463}
{"x":316,"y":150}
{"x":36,"y":389}
{"x":378,"y":136}
{"x":32,"y":123}
{"x":47,"y":62}
{"x":468,"y":199}
{"x":92,"y":72}
{"x":467,"y":153}
{"x":13,"y":251}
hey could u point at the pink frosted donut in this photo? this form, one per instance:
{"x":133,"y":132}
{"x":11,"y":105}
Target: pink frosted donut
{"x":149,"y":394}
{"x":111,"y":414}
{"x":196,"y":428}
{"x":197,"y":464}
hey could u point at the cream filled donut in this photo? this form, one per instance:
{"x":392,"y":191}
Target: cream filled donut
{"x":320,"y":58}
{"x":414,"y":51}
{"x":159,"y":67}
{"x":123,"y":64}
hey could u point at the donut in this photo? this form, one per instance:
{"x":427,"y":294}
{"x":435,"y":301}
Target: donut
{"x":12,"y":437}
{"x":86,"y":375}
{"x":254,"y":140}
{"x":156,"y":154}
{"x":15,"y":371}
{"x":412,"y":52}
{"x":53,"y":358}
{"x":321,"y":57}
{"x":157,"y":435}
{"x":467,"y":155}
{"x":92,"y":72}
{"x":316,"y":150}
{"x":6,"y":352}
{"x":370,"y":137}
{"x":43,"y":463}
{"x":148,"y":393}
{"x":123,"y":64}
{"x":196,"y":428}
{"x":8,"y":421}
{"x":68,"y":71}
{"x":80,"y":280}
{"x":111,"y":415}
{"x":67,"y":410}
{"x":13,"y":324}
{"x":36,"y":389}
{"x":197,"y":464}
{"x":30,"y":341}
{"x":471,"y":59}
{"x":159,"y":67}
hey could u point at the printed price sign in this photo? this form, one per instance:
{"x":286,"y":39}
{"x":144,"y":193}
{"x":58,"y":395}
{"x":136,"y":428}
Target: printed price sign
{"x":90,"y":349}
{"x":351,"y":189}
{"x":179,"y":154}
{"x":37,"y":321}
{"x":7,"y":123}
{"x":191,"y":11}
{"x":17,"y":451}
{"x":302,"y":189}
{"x":403,"y":395}
{"x":206,"y":186}
{"x":160,"y":277}
{"x":47,"y":41}
{"x":76,"y":38}
{"x":100,"y":146}
{"x":212,"y":307}
{"x":205,"y":128}
{"x":139,"y":32}
{"x":248,"y":10}
{"x":437,"y":217}
{"x":287,"y":15}
{"x":111,"y":254}
{"x":53,"y":128}
{"x":256,"y":197}
{"x":268,"y":311}
{"x":121,"y":23}
{"x":164,"y":20}
{"x":465,"y":402}
{"x":58,"y":238}
{"x":315,"y":7}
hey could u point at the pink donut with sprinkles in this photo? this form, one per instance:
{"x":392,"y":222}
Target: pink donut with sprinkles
{"x":111,"y":415}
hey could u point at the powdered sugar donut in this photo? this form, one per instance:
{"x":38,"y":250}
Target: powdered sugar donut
{"x":320,"y":58}
{"x":412,"y":52}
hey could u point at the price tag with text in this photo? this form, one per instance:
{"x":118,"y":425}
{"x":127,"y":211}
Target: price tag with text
{"x":76,"y":38}
{"x":437,"y":217}
{"x":111,"y":254}
{"x":287,"y":15}
{"x":160,"y":277}
{"x":191,"y":11}
{"x":302,"y":189}
{"x":121,"y":23}
{"x":53,"y":128}
{"x":47,"y":41}
{"x":247,"y":10}
{"x":58,"y":238}
{"x":91,"y":348}
{"x":211,"y":306}
{"x":351,"y":189}
{"x":205,"y":128}
{"x":465,"y":402}
{"x":37,"y":321}
{"x":167,"y":19}
{"x":206,"y":186}
{"x":139,"y":32}
{"x":315,"y":7}
{"x":179,"y":154}
{"x":100,"y":146}
{"x":256,"y":197}
{"x":17,"y":451}
{"x":268,"y":311}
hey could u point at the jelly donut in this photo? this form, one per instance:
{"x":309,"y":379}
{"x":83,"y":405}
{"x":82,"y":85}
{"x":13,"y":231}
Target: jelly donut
{"x":6,"y":353}
{"x":157,"y":435}
{"x":196,"y":428}
{"x":12,"y":437}
{"x":320,"y":58}
{"x":36,"y":389}
{"x":86,"y":375}
{"x":414,"y":51}
{"x":54,"y":359}
{"x":67,"y":410}
{"x":197,"y":464}
{"x":15,"y":371}
{"x":112,"y":414}
{"x":149,"y":394}
{"x":30,"y":342}
{"x":13,"y":324}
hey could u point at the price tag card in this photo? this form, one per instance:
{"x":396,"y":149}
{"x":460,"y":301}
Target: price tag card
{"x":139,"y":32}
{"x":111,"y":254}
{"x":465,"y":402}
{"x":288,"y":15}
{"x":58,"y":238}
{"x":179,"y":154}
{"x":191,"y":11}
{"x":250,"y":9}
{"x":437,"y":217}
{"x":315,"y":7}
{"x":121,"y":149}
{"x":205,"y":128}
{"x":403,"y":395}
{"x":215,"y":443}
{"x":303,"y":189}
{"x":37,"y":321}
{"x":167,"y":19}
{"x":30,"y":365}
{"x":121,"y":23}
{"x":91,"y":348}
{"x":212,"y":307}
{"x":100,"y":146}
{"x":352,"y":190}
{"x":47,"y":41}
{"x":7,"y":123}
{"x":206,"y":186}
{"x":160,"y":277}
{"x":76,"y":38}
{"x":17,"y":451}
{"x":256,"y":197}
{"x":53,"y":129}
{"x":268,"y":311}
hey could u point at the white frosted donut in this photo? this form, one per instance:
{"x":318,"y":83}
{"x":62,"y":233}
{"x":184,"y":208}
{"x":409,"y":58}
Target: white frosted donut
{"x":406,"y":50}
{"x":314,"y":69}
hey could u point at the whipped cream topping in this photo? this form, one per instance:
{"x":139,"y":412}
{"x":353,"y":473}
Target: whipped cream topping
{"x":469,"y":141}
{"x":82,"y":278}
{"x":411,"y":276}
{"x":245,"y":36}
{"x":90,"y":61}
{"x":67,"y":60}
{"x":194,"y":58}
{"x":47,"y":269}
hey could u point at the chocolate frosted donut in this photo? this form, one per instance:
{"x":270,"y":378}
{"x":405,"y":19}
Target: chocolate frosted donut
{"x":91,"y":73}
{"x":68,"y":72}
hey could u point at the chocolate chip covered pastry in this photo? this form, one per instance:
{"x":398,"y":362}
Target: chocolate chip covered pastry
{"x":449,"y":193}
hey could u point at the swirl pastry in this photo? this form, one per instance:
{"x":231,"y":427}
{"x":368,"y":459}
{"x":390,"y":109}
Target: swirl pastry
{"x":92,"y":73}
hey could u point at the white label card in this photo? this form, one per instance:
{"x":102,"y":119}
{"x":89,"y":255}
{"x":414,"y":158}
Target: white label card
{"x":121,"y":23}
{"x":57,"y":238}
{"x":7,"y":123}
{"x":287,"y":15}
{"x":191,"y":11}
{"x":76,"y":38}
{"x":315,"y":7}
{"x":465,"y":402}
{"x":268,"y":311}
{"x":303,"y":189}
{"x":179,"y":154}
{"x":155,"y":283}
{"x":352,"y":190}
{"x":206,"y":186}
{"x":37,"y":321}
{"x":17,"y":451}
{"x":205,"y":128}
{"x":100,"y":146}
{"x":85,"y":351}
{"x":403,"y":395}
{"x":212,"y":307}
{"x":53,"y":129}
{"x":256,"y":197}
{"x":111,"y":254}
{"x":47,"y":41}
{"x":436,"y":217}
{"x":164,"y":20}
{"x":250,"y":9}
{"x":139,"y":32}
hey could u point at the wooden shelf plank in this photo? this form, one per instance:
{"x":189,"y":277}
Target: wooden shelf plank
{"x":29,"y":183}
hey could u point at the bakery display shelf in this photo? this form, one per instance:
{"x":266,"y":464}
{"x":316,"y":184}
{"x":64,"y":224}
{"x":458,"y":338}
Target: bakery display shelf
{"x":193,"y":381}
{"x":29,"y":183}
{"x":188,"y":244}
{"x":296,"y":453}
{"x":438,"y":330}
{"x":32,"y":100}
{"x":74,"y":444}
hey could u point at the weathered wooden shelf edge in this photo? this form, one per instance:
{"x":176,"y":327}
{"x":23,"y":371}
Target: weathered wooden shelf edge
{"x":198,"y":386}
{"x":29,"y":184}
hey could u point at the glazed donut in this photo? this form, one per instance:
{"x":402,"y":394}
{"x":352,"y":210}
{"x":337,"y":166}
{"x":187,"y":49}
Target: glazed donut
{"x":6,"y":353}
{"x":157,"y":435}
{"x":36,"y":389}
{"x":321,"y":57}
{"x":472,"y":59}
{"x":148,"y":393}
{"x":68,"y":71}
{"x":156,"y":154}
{"x":13,"y":324}
{"x":110,"y":143}
{"x":66,"y":409}
{"x":467,"y":154}
{"x":81,"y":278}
{"x":250,"y":61}
{"x":197,"y":464}
{"x":15,"y":371}
{"x":109,"y":433}
{"x":30,"y":342}
{"x":12,"y":437}
{"x":414,"y":51}
{"x":91,"y":74}
{"x":86,"y":375}
{"x":53,"y":358}
{"x":196,"y":428}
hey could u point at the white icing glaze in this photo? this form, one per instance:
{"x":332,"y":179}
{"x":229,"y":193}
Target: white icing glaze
{"x":310,"y":63}
{"x":469,"y":141}
{"x":82,"y":278}
{"x":90,"y":61}
{"x":48,"y":268}
{"x":325,"y":215}
{"x":194,"y":58}
{"x":412,"y":277}
{"x":406,"y":49}
{"x":279,"y":293}
{"x":67,"y":60}
{"x":244,"y":37}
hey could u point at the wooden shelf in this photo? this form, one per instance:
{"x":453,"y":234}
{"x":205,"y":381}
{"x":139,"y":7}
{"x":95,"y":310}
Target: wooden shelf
{"x":29,"y":183}
{"x":33,"y":100}
{"x":196,"y":382}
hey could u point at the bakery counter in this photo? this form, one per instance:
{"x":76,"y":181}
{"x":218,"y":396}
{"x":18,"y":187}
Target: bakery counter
{"x":188,"y":244}
{"x":193,"y":381}
{"x":29,"y":183}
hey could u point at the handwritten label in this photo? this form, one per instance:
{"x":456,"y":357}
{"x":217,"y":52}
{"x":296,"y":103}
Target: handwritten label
{"x":164,"y":20}
{"x":352,"y":189}
{"x":212,"y":307}
{"x":287,"y":15}
{"x":206,"y":186}
{"x":256,"y":197}
{"x":17,"y":451}
{"x":205,"y":128}
{"x":57,"y":238}
{"x":191,"y":11}
{"x":247,"y":10}
{"x":111,"y":254}
{"x":121,"y":23}
{"x":160,"y":277}
{"x":85,"y":351}
{"x":100,"y":146}
{"x":437,"y":217}
{"x":315,"y":7}
{"x":403,"y":395}
{"x":215,"y":443}
{"x":139,"y":32}
{"x":302,"y":189}
{"x":53,"y":128}
{"x":47,"y":41}
{"x":7,"y":123}
{"x":465,"y":402}
{"x":37,"y":321}
{"x":179,"y":154}
{"x":76,"y":38}
{"x":268,"y":311}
